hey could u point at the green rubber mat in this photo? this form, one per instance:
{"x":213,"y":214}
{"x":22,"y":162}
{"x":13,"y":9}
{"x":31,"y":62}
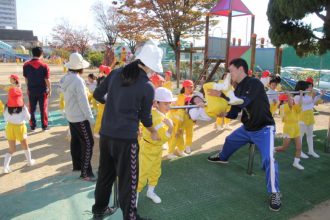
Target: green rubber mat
{"x":190,"y":188}
{"x":55,"y":118}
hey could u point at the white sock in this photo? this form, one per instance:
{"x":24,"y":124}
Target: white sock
{"x":151,"y":188}
{"x":219,"y":86}
{"x":137,"y":199}
{"x":28,"y":155}
{"x":233,"y":100}
{"x":309,"y":137}
{"x":296,"y":160}
{"x":7,"y":160}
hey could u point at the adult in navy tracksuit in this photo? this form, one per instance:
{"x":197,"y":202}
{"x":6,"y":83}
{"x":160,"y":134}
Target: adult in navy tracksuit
{"x":258,"y":127}
{"x":36,"y":75}
{"x":129,"y":97}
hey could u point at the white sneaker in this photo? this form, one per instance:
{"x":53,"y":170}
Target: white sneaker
{"x":220,"y":127}
{"x":228,"y":127}
{"x":181,"y":153}
{"x":236,"y":101}
{"x":188,"y":150}
{"x":303,"y":155}
{"x":298,"y":166}
{"x":32,"y":163}
{"x":171,"y":156}
{"x":96,"y":135}
{"x":153,"y":196}
{"x":313,"y":154}
{"x":6,"y":170}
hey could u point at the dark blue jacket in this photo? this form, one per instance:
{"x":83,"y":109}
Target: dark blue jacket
{"x":126,"y":106}
{"x":256,"y":111}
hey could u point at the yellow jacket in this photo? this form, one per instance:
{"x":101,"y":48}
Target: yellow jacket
{"x":215,"y":105}
{"x":168,"y":85}
{"x":290,"y":115}
{"x":160,"y":127}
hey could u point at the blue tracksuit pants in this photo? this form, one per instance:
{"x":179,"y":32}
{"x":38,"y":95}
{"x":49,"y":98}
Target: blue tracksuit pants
{"x":264,"y":140}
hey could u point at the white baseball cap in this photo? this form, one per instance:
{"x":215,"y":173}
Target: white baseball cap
{"x":151,"y":55}
{"x":164,"y":95}
{"x":76,"y":62}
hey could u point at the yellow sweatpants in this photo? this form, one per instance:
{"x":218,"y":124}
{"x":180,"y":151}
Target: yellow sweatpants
{"x":188,"y":126}
{"x":150,"y":160}
{"x":2,"y":107}
{"x":221,"y":121}
{"x":92,"y":101}
{"x":176,"y":139}
{"x":62,"y":103}
{"x":100,"y":110}
{"x":273,"y":108}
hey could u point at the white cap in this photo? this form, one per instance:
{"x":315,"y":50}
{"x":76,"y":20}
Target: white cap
{"x":76,"y":62}
{"x":151,"y":55}
{"x":164,"y":95}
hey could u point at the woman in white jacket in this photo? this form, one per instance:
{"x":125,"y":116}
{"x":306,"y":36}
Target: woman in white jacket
{"x":78,"y":113}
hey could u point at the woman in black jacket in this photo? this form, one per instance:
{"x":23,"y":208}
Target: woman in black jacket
{"x":128,"y":96}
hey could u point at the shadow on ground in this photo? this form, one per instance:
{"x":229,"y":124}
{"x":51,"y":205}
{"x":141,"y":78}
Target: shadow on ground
{"x":190,"y":188}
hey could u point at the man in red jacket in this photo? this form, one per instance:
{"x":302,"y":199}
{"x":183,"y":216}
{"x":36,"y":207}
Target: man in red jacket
{"x":36,"y":75}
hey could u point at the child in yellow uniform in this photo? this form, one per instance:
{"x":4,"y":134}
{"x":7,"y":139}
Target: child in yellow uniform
{"x":278,"y":79}
{"x":2,"y":107}
{"x":182,"y":124}
{"x":215,"y":105}
{"x":16,"y":114}
{"x":157,"y":80}
{"x":62,"y":103}
{"x":290,"y":115}
{"x":306,"y":121}
{"x":168,"y":83}
{"x":222,"y":122}
{"x":14,"y":82}
{"x":272,"y":95}
{"x":91,"y":85}
{"x":150,"y":155}
{"x":104,"y":72}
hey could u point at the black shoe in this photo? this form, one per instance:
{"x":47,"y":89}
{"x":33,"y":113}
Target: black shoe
{"x":275,"y":202}
{"x":140,"y":218}
{"x":45,"y":129}
{"x":89,"y":179}
{"x":32,"y":129}
{"x":216,"y":159}
{"x":108,"y":211}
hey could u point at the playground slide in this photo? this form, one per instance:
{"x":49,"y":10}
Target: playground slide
{"x":9,"y":52}
{"x":292,"y":83}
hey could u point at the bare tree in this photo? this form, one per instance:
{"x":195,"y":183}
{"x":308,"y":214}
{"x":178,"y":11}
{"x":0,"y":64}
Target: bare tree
{"x":66,"y":37}
{"x":107,"y":18}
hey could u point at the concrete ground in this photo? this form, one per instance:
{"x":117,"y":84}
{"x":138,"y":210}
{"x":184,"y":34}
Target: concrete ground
{"x":51,"y":149}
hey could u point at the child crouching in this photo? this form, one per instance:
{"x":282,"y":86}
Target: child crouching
{"x":150,"y":156}
{"x":215,"y":105}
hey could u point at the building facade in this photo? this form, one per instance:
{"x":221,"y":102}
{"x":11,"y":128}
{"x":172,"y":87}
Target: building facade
{"x":8,"y":14}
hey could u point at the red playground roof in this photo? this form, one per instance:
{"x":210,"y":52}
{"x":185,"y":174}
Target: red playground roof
{"x":237,"y":8}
